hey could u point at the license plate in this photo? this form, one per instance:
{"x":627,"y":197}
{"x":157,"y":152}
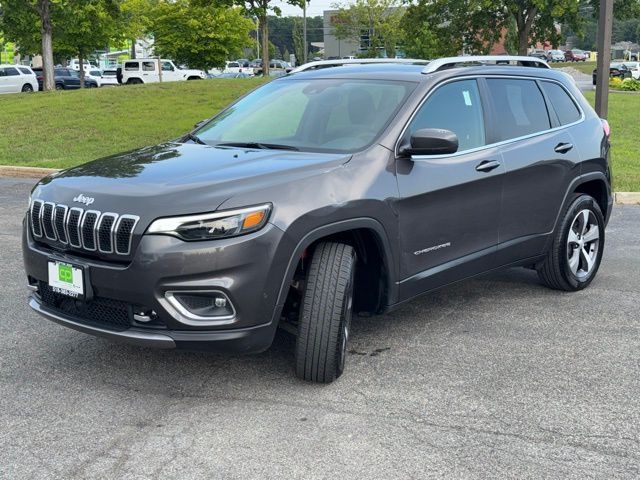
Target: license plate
{"x":66,"y":279}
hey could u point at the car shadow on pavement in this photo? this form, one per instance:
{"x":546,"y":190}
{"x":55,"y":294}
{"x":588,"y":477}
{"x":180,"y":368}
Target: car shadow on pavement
{"x":99,"y":362}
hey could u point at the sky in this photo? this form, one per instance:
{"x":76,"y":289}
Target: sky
{"x":314,"y":7}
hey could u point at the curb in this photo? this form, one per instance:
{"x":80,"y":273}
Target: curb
{"x":627,"y":198}
{"x":621,"y":198}
{"x":31,"y":172}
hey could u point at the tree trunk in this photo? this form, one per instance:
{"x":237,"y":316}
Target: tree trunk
{"x":81,"y":62}
{"x":264,"y":31}
{"x":49,"y":82}
{"x":133,"y":49}
{"x":523,"y":42}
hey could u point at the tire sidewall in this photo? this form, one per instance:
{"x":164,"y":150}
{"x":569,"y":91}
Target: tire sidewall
{"x":581,"y":203}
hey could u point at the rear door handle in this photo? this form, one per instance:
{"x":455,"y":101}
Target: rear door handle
{"x":563,"y":147}
{"x":487,"y":165}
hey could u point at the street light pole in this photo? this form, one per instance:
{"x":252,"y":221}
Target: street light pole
{"x":605,"y":25}
{"x":304,"y":30}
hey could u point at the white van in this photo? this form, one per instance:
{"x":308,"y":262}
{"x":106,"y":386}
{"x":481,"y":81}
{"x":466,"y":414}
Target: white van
{"x":145,"y":70}
{"x":17,"y":78}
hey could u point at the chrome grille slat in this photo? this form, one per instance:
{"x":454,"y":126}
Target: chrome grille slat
{"x":89,"y":230}
{"x":46,"y":218}
{"x":36,"y":224}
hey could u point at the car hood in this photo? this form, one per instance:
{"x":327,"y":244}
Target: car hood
{"x":175,"y":179}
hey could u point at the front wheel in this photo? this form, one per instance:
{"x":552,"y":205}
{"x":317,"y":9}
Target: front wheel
{"x":574,"y":258}
{"x":59,"y":86}
{"x":325,"y":316}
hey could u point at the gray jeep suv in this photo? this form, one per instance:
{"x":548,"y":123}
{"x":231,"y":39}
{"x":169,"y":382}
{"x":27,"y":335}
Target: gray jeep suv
{"x":327,"y":191}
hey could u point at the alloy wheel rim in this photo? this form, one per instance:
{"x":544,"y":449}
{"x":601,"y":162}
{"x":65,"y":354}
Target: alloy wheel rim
{"x":583,"y":243}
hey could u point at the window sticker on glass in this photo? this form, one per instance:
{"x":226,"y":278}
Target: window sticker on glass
{"x":467,"y":98}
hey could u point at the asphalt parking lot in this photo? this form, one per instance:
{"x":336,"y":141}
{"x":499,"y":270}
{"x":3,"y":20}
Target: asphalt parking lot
{"x":496,"y":377}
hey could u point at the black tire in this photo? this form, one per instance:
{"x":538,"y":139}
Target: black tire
{"x":325,"y":316}
{"x":27,"y":88}
{"x":134,"y":81}
{"x":59,"y":86}
{"x":555,"y":270}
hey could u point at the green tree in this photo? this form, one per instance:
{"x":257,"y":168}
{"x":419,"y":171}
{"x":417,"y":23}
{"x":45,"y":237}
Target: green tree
{"x":380,"y":18}
{"x":201,"y":36}
{"x":448,"y":27}
{"x":260,"y":10}
{"x":85,"y":26}
{"x":136,"y":18}
{"x":29,"y":24}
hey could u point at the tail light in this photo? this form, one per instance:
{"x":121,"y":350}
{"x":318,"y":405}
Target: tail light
{"x":606,"y":127}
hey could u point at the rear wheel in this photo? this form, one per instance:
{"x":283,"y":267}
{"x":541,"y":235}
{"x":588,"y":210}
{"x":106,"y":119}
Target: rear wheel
{"x":27,"y":88}
{"x":574,"y":258}
{"x":325,"y":317}
{"x":134,"y":81}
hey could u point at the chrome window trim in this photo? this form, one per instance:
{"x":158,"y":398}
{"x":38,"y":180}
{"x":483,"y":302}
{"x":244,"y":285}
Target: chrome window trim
{"x":182,"y":315}
{"x":44,"y":230}
{"x":78,"y":228}
{"x":93,"y":230}
{"x":495,"y":144}
{"x":111,"y":233}
{"x":64,"y":222}
{"x":33,"y":202}
{"x":135,"y":219}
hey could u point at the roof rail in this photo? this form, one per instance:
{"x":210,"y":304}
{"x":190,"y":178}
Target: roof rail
{"x":452,"y":62}
{"x":355,"y":61}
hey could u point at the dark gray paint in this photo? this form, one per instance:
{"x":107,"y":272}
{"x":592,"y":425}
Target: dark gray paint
{"x":492,"y":219}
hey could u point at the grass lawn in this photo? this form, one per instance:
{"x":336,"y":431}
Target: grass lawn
{"x":584,"y":67}
{"x":62,"y":129}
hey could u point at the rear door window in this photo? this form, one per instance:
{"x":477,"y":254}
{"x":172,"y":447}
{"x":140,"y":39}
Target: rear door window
{"x":132,"y":66}
{"x":563,"y":105}
{"x":11,"y":72}
{"x":518,"y":106}
{"x":455,"y":107}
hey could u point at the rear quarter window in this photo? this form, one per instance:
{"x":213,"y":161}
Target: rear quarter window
{"x":563,"y":105}
{"x":519,"y":108}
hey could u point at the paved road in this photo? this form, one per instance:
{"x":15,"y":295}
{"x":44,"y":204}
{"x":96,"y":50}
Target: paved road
{"x":494,"y":378}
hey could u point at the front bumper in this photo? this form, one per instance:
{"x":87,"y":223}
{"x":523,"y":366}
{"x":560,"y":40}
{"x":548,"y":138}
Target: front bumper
{"x":244,"y":268}
{"x":248,"y":340}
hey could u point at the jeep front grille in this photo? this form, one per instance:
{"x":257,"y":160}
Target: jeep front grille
{"x":89,"y":230}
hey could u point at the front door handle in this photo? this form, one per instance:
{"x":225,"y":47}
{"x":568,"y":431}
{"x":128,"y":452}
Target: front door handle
{"x":563,"y":147}
{"x":487,"y":165}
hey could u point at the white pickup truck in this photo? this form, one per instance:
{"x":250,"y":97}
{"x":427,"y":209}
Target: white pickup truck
{"x":145,"y":70}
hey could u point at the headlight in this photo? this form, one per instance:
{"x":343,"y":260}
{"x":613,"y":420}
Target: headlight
{"x":210,"y":226}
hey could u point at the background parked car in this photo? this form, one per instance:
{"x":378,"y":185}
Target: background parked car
{"x":95,"y":75}
{"x":616,"y":70}
{"x":232,"y":75}
{"x":575,"y":55}
{"x":555,"y":56}
{"x":74,"y":64}
{"x":634,"y":68}
{"x":145,"y":70}
{"x":65,"y":79}
{"x":237,"y":67}
{"x":17,"y":78}
{"x":538,"y":53}
{"x":110,"y":77}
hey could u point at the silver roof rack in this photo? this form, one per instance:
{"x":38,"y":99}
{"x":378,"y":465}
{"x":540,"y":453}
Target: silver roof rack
{"x":451,"y":62}
{"x":356,"y":61}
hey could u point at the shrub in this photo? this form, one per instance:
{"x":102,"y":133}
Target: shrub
{"x":627,"y":85}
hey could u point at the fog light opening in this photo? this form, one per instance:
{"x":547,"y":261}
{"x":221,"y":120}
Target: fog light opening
{"x":202,"y":305}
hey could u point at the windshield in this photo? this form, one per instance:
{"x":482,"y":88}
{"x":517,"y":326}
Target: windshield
{"x":314,"y":115}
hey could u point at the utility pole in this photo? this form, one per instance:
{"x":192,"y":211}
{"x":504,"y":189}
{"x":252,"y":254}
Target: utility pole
{"x":304,"y":30}
{"x":605,"y":25}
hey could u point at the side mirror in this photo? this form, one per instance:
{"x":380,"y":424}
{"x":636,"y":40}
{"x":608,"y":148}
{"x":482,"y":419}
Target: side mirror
{"x":431,"y":141}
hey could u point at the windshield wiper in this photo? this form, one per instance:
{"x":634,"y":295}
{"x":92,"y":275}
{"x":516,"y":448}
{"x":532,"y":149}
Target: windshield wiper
{"x":194,"y":138}
{"x":260,"y":145}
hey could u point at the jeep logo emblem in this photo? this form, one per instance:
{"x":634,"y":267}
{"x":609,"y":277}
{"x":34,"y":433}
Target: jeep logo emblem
{"x":82,"y":199}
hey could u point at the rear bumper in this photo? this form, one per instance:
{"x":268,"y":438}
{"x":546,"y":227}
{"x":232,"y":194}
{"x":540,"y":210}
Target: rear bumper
{"x":246,"y":340}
